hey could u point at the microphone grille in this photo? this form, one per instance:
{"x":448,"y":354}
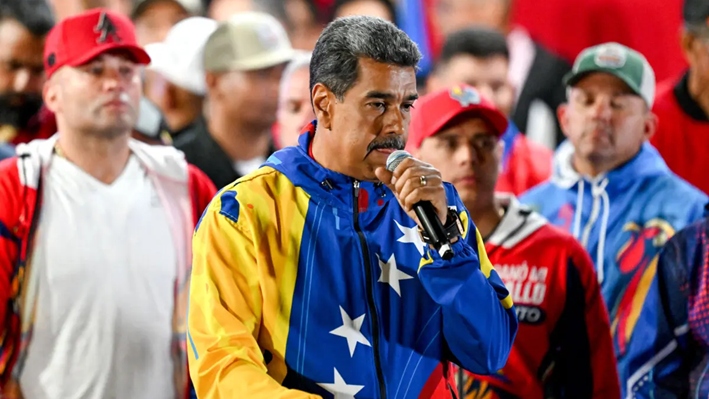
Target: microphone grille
{"x":395,"y":158}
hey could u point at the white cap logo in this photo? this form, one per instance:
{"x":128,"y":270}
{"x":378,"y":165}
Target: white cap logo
{"x":610,"y":56}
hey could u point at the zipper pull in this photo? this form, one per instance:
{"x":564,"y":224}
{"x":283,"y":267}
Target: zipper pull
{"x":356,"y":188}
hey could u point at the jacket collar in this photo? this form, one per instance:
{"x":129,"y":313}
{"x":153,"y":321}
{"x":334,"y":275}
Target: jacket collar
{"x":164,"y":161}
{"x":647,"y":162}
{"x":332,"y":187}
{"x":518,"y":223}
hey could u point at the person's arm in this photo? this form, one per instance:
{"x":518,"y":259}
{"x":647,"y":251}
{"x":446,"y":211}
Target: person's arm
{"x":202,"y":190}
{"x":584,"y":357}
{"x":10,"y":197}
{"x":661,"y":355}
{"x":479,"y":320}
{"x":225,"y":309}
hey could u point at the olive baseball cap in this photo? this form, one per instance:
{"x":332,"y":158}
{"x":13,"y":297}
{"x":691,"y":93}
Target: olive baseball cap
{"x":620,"y":61}
{"x":247,"y":41}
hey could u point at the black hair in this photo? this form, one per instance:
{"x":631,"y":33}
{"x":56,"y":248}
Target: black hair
{"x":35,"y":15}
{"x":477,"y":42}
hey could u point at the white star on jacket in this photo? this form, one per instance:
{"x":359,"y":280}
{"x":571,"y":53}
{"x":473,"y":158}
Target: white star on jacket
{"x":350,"y":331}
{"x":340,"y":389}
{"x":411,"y":236}
{"x":391,"y":274}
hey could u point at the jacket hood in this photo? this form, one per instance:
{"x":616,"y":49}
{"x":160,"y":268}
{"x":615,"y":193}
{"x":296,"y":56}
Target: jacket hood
{"x":518,"y":223}
{"x":646,"y":163}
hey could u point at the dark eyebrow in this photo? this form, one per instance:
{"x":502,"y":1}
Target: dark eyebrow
{"x":389,"y":96}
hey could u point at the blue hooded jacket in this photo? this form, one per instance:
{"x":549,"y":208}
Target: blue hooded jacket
{"x":622,"y":218}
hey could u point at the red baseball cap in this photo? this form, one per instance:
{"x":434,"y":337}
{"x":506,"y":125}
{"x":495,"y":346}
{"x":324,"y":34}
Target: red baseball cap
{"x":78,"y":39}
{"x":435,"y":110}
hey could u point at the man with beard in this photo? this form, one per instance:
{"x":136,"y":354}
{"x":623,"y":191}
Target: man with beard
{"x":563,"y":347}
{"x":95,"y":233}
{"x":612,"y":189}
{"x":23,"y":28}
{"x":310,"y":278}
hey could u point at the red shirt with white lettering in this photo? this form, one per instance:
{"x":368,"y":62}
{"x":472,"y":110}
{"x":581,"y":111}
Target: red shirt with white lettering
{"x":563,"y":343}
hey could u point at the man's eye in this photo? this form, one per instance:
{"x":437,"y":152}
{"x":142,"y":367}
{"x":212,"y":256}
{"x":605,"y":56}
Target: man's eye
{"x":126,"y":70}
{"x":294,"y":107}
{"x":407,"y":107}
{"x":95,"y":70}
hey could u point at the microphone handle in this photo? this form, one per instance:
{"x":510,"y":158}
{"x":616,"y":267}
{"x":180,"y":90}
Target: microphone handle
{"x":431,"y":223}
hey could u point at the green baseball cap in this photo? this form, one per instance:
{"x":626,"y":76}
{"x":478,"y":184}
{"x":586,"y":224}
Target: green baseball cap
{"x":620,"y":61}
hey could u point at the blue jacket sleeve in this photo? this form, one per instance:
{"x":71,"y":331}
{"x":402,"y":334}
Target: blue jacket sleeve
{"x":479,"y":320}
{"x":662,"y":354}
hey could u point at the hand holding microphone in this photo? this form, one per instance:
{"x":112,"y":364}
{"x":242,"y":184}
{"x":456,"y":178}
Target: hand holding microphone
{"x":419,"y":188}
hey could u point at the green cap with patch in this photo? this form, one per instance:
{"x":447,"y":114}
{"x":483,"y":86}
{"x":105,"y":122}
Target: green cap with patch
{"x":620,"y":61}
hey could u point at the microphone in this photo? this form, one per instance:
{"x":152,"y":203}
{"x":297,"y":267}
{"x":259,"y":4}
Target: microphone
{"x":426,"y":213}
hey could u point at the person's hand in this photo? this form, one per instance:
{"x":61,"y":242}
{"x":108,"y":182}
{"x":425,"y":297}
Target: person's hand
{"x":413,"y":181}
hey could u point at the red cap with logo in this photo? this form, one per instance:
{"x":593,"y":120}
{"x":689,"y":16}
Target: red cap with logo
{"x":78,"y":39}
{"x":435,"y":110}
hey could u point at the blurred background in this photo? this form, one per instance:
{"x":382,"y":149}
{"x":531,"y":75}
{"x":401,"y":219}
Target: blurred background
{"x":183,"y":105}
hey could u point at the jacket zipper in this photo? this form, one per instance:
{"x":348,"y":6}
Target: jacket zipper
{"x":370,"y":294}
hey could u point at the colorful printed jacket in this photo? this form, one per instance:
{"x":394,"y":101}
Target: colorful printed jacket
{"x":677,"y":320}
{"x":307,"y":284}
{"x":622,"y":218}
{"x":184,"y":190}
{"x":563,"y":347}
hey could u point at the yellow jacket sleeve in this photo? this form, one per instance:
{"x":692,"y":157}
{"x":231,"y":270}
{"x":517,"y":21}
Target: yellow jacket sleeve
{"x":225,"y":359}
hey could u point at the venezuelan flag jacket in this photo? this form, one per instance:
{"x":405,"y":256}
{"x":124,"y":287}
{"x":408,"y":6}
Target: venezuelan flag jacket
{"x":307,"y":284}
{"x":622,"y":218}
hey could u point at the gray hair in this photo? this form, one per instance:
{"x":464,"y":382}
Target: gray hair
{"x":345,"y":40}
{"x":300,"y":60}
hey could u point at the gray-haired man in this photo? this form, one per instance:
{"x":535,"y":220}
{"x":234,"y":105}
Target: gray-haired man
{"x":310,"y":278}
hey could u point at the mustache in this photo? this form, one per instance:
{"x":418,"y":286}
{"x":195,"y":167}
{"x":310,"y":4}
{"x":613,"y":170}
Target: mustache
{"x":389,"y":142}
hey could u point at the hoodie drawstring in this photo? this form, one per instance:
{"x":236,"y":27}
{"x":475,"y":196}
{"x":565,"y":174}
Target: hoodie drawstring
{"x":600,"y":251}
{"x":601,"y":201}
{"x":579,"y":210}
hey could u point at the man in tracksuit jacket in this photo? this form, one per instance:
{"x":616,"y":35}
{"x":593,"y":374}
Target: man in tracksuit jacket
{"x":95,"y":233}
{"x":615,"y":193}
{"x":310,"y":276}
{"x":563,"y":347}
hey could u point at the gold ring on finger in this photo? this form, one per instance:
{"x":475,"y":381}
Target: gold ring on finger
{"x":423,"y":181}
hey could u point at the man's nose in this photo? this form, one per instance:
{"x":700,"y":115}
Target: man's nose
{"x":602,"y":109}
{"x":395,"y":121}
{"x":466,"y":155}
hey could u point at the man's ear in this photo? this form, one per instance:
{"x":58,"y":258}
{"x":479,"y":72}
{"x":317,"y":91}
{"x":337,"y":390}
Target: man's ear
{"x":323,"y":105}
{"x":50,"y":93}
{"x":211,"y":80}
{"x":687,"y":42}
{"x":651,"y":123}
{"x":561,"y":116}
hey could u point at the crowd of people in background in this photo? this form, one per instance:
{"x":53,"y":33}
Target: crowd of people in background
{"x":578,"y":148}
